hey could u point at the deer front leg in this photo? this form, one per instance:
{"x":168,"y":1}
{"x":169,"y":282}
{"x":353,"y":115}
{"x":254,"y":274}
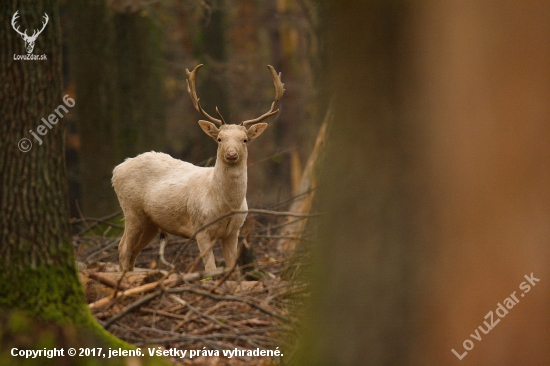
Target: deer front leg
{"x":229,"y":245}
{"x":204,"y":242}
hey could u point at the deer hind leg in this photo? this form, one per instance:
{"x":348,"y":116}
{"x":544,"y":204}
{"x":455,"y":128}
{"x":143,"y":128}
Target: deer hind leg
{"x":138,"y":232}
{"x":204,"y":242}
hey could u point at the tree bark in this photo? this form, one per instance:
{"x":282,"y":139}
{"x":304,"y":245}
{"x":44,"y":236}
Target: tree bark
{"x":37,"y":270}
{"x":93,"y":56}
{"x":209,"y":48}
{"x":140,"y":82}
{"x":41,"y":297}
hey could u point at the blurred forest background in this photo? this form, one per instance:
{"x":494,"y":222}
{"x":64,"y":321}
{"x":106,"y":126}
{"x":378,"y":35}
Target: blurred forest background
{"x":435,"y":194}
{"x":125,"y":66}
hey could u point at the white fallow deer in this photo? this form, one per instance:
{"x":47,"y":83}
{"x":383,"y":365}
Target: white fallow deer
{"x":159,"y":194}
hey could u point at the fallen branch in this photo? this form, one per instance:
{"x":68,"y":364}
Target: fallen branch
{"x":153,"y":285}
{"x":107,"y":281}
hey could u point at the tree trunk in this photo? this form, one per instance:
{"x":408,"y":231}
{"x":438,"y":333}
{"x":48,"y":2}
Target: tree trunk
{"x":140,"y":83}
{"x":38,"y":273}
{"x":359,"y":311}
{"x":209,"y":47}
{"x":93,"y":56}
{"x":435,"y":187}
{"x":37,"y":270}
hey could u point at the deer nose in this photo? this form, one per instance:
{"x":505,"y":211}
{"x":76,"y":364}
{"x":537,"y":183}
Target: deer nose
{"x":231,"y":154}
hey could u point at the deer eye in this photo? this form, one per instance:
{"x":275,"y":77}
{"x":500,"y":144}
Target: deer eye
{"x":219,"y":139}
{"x":245,"y":141}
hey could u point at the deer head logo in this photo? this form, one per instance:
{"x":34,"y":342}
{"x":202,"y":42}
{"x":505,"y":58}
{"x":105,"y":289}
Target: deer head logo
{"x":29,"y":40}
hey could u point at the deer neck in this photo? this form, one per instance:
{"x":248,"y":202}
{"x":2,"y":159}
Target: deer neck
{"x":230,"y":181}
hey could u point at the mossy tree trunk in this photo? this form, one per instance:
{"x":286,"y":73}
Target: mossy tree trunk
{"x":38,"y":274}
{"x":37,"y":270}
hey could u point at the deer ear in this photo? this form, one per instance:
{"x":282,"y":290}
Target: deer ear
{"x":256,"y":130}
{"x":209,"y":128}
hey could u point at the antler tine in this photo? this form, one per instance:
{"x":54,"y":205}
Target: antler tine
{"x":46,"y":18}
{"x":279,"y":90}
{"x":196,"y":100}
{"x":221,"y":117}
{"x":15,"y":16}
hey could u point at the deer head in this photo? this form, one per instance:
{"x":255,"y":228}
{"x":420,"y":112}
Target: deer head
{"x":232,"y":139}
{"x":29,"y":40}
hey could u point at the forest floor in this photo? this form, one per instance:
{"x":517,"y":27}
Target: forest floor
{"x":178,"y":309}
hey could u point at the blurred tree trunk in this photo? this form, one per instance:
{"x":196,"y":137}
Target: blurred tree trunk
{"x":210,"y":49}
{"x":116,"y":61}
{"x":359,"y":312}
{"x":93,"y":56}
{"x":436,"y":185}
{"x":485,"y":96}
{"x":140,"y":82}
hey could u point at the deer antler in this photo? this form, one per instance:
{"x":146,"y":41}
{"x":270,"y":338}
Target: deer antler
{"x":279,"y":90}
{"x":15,"y":16}
{"x":24,"y":34}
{"x":196,"y":101}
{"x":43,"y":26}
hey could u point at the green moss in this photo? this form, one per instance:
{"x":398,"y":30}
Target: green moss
{"x":40,"y":335}
{"x":46,"y":341}
{"x":49,"y":292}
{"x":52,"y":307}
{"x":18,"y":322}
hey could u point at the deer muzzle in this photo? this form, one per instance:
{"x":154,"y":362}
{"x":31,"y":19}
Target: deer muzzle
{"x":231,"y":155}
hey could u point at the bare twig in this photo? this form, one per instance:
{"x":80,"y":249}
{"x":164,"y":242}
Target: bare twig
{"x":131,"y":307}
{"x":198,"y":312}
{"x":82,"y":219}
{"x":231,"y":270}
{"x":119,"y":284}
{"x":100,"y":220}
{"x":104,"y":248}
{"x":164,"y":313}
{"x":163,"y":240}
{"x":229,"y":298}
{"x":231,"y":213}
